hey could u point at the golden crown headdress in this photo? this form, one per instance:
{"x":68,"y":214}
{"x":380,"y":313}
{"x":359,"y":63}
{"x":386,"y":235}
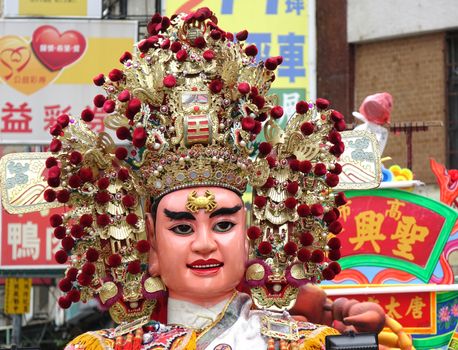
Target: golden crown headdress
{"x":190,"y":106}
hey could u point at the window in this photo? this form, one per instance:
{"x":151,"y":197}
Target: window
{"x":452,"y":97}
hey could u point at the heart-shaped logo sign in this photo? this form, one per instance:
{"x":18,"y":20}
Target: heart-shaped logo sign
{"x":57,"y":50}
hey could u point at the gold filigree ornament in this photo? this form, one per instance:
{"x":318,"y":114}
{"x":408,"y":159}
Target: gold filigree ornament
{"x":190,"y":107}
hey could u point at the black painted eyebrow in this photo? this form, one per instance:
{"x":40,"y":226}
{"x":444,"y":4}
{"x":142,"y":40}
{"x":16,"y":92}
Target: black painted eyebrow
{"x":226,"y":211}
{"x":178,"y":215}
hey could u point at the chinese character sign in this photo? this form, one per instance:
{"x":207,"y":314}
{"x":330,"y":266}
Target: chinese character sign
{"x":277,"y":28}
{"x":392,"y":228}
{"x":47,"y":70}
{"x":17,"y":295}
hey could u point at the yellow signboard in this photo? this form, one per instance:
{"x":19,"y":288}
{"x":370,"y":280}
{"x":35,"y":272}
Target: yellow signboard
{"x":53,"y":8}
{"x":278,"y":28}
{"x":17,"y":295}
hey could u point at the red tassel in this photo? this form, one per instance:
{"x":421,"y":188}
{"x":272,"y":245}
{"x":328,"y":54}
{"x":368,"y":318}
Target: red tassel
{"x":128,"y":343}
{"x":137,"y":344}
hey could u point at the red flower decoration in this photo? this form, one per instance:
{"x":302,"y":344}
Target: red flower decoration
{"x":87,"y":115}
{"x":56,"y":129}
{"x":337,"y":149}
{"x":128,"y":201}
{"x":59,"y":232}
{"x":335,"y":266}
{"x":103,"y":220}
{"x":133,"y":107}
{"x":199,"y":42}
{"x":305,"y":166}
{"x":92,"y":255}
{"x":290,"y":248}
{"x":215,"y":34}
{"x":269,"y":183}
{"x":125,"y":57}
{"x":292,"y":187}
{"x":340,"y":199}
{"x":75,"y":157}
{"x":271,"y":161}
{"x":115,"y":75}
{"x":260,"y":201}
{"x":123,"y":133}
{"x":306,"y":239}
{"x":264,"y":248}
{"x":332,"y":180}
{"x":316,"y":209}
{"x":134,"y":267}
{"x":88,"y":268}
{"x":54,"y":172}
{"x":334,"y":243}
{"x":56,"y":220}
{"x":328,"y":274}
{"x":307,"y":128}
{"x":329,"y":217}
{"x":302,"y":107}
{"x":132,"y":219}
{"x":340,"y":125}
{"x":290,"y":202}
{"x":303,"y":210}
{"x":322,"y":103}
{"x":336,"y":169}
{"x":124,"y":96}
{"x":84,"y":280}
{"x":103,"y":183}
{"x":86,"y":174}
{"x":123,"y":174}
{"x":265,"y":148}
{"x":61,"y":256}
{"x":209,"y":55}
{"x":121,"y":153}
{"x":253,"y":232}
{"x":102,"y":197}
{"x":53,"y":182}
{"x":72,"y":272}
{"x":64,"y":302}
{"x":139,"y":137}
{"x":335,"y":227}
{"x":320,"y":169}
{"x":169,"y":81}
{"x":336,"y":116}
{"x":216,"y":86}
{"x":49,"y":195}
{"x":248,"y":123}
{"x":271,"y":63}
{"x":317,"y":256}
{"x":165,"y":44}
{"x":304,"y":254}
{"x":55,"y":145}
{"x":244,"y":88}
{"x":294,"y":164}
{"x":86,"y":220}
{"x":74,"y":295}
{"x":175,"y":47}
{"x":75,"y":181}
{"x":181,"y":55}
{"x":77,"y":231}
{"x":99,"y":79}
{"x":50,"y":162}
{"x":251,"y":50}
{"x":276,"y":112}
{"x":259,"y":101}
{"x":334,"y":137}
{"x":242,"y":35}
{"x":334,"y":255}
{"x":114,"y":260}
{"x":63,"y":120}
{"x":143,"y":246}
{"x":63,"y":196}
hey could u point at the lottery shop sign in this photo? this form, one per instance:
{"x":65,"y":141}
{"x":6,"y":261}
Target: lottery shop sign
{"x":47,"y":70}
{"x":394,"y":229}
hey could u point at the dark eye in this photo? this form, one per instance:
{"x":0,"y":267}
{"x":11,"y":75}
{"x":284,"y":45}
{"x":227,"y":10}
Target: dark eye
{"x":223,"y":226}
{"x":182,"y":229}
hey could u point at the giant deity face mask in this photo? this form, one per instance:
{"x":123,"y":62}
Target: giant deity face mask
{"x":199,"y":252}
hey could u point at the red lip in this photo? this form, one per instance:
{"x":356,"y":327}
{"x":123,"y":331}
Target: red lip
{"x":202,"y":264}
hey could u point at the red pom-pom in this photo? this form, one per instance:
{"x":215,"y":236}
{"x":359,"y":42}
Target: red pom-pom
{"x":53,"y":182}
{"x":55,"y":145}
{"x":115,"y":75}
{"x":165,"y":44}
{"x":103,"y":220}
{"x":63,"y":196}
{"x":49,"y":195}
{"x":199,"y":42}
{"x":63,"y":120}
{"x":290,"y":248}
{"x":84,"y":280}
{"x":86,"y":174}
{"x":316,"y":209}
{"x":265,"y":148}
{"x":61,"y":256}
{"x":303,"y":210}
{"x":334,"y":254}
{"x":102,"y":197}
{"x":254,"y":232}
{"x":71,"y":273}
{"x":128,"y":201}
{"x":248,"y":123}
{"x":260,"y":201}
{"x":215,"y":34}
{"x":276,"y":112}
{"x":302,"y":107}
{"x":114,"y":260}
{"x":125,"y":57}
{"x":169,"y":81}
{"x":99,"y":100}
{"x":306,"y":239}
{"x":139,"y":137}
{"x":294,"y":164}
{"x":88,"y":269}
{"x":332,"y":180}
{"x":133,"y":107}
{"x":54,"y":172}
{"x":271,"y":161}
{"x":55,"y":130}
{"x":134,"y":267}
{"x":337,"y":149}
{"x":264,"y":248}
{"x":242,"y":35}
{"x":103,"y":183}
{"x":75,"y":158}
{"x":109,"y":106}
{"x":209,"y":55}
{"x":305,"y":166}
{"x":244,"y":88}
{"x":251,"y":50}
{"x":59,"y":232}
{"x":86,"y":220}
{"x":257,"y":127}
{"x":64,"y":302}
{"x":92,"y":255}
{"x":99,"y":79}
{"x":334,"y":243}
{"x":216,"y":86}
{"x":56,"y":220}
{"x":87,"y":115}
{"x":132,"y":219}
{"x":334,"y":137}
{"x":271,"y":63}
{"x":143,"y":246}
{"x":123,"y":174}
{"x":340,"y":125}
{"x":307,"y":128}
{"x":322,"y":103}
{"x":336,"y":116}
{"x":336,"y":169}
{"x":181,"y":55}
{"x":121,"y":153}
{"x":123,"y":133}
{"x":74,"y":295}
{"x":175,"y":47}
{"x":329,"y":217}
{"x":317,"y":256}
{"x":65,"y":285}
{"x":335,"y":266}
{"x":328,"y":274}
{"x":292,"y":187}
{"x":259,"y":101}
{"x":124,"y":96}
{"x":270,"y":182}
{"x":320,"y":169}
{"x":290,"y":202}
{"x":304,"y":254}
{"x":77,"y":231}
{"x":229,"y":36}
{"x":74,"y":181}
{"x":335,"y":227}
{"x":50,"y":162}
{"x":340,"y":199}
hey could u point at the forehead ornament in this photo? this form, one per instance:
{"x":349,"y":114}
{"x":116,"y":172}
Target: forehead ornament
{"x":207,"y":202}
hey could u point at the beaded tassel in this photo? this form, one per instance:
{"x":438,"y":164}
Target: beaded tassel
{"x":137,"y":344}
{"x":128,"y":343}
{"x":119,"y":343}
{"x":271,"y":344}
